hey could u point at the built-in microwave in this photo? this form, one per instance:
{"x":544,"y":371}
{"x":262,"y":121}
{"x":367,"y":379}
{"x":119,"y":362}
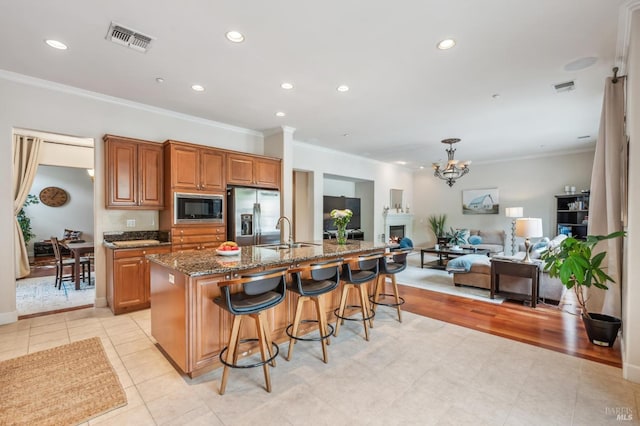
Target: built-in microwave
{"x":198,"y":208}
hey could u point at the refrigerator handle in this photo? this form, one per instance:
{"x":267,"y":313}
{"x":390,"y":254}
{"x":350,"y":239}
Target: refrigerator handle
{"x":256,"y":220}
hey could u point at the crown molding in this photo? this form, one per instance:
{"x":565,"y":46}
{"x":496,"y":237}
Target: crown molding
{"x":63,"y":88}
{"x":624,"y":33}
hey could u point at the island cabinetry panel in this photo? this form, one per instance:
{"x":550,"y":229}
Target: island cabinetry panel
{"x":128,"y":280}
{"x":197,"y":237}
{"x":134,"y":174}
{"x":249,"y":170}
{"x":195,"y":169}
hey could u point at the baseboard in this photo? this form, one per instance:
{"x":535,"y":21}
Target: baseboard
{"x":101,"y":302}
{"x":8,"y":317}
{"x":631,"y":372}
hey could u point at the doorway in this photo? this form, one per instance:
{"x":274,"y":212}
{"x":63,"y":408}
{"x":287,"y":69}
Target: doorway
{"x":64,"y":164}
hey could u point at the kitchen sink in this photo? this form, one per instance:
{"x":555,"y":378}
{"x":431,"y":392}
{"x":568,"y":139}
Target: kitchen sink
{"x":281,"y":246}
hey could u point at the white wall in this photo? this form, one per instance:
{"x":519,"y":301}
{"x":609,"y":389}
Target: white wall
{"x":36,"y":104}
{"x":528,"y":183}
{"x":76,"y":213}
{"x":339,"y":188}
{"x":631,"y":271}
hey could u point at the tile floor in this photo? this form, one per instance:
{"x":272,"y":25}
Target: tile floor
{"x":419,"y":372}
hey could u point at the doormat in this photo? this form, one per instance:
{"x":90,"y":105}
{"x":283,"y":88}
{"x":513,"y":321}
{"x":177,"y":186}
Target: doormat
{"x":66,"y":385}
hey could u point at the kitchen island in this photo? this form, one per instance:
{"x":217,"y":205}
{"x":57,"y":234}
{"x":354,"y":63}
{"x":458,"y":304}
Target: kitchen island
{"x":192,"y":330}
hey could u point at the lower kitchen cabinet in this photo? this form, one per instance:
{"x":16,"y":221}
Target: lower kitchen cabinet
{"x":128,"y":283}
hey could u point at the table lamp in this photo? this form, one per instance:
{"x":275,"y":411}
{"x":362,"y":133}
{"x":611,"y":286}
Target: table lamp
{"x":513,"y":212}
{"x":530,"y":227}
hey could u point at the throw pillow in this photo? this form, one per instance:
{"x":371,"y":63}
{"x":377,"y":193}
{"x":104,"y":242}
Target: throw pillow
{"x":474,"y":240}
{"x":542,"y":244}
{"x":406,"y":243}
{"x":70,"y":234}
{"x":464,"y":263}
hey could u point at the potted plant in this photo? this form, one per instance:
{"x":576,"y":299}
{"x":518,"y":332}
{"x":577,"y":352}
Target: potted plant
{"x":25,"y":221}
{"x":578,"y":268}
{"x":455,"y":238}
{"x":437,"y":223}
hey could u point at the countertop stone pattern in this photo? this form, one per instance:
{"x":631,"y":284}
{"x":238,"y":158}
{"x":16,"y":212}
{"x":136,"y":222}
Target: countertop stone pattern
{"x":110,"y":237}
{"x":208,"y":262}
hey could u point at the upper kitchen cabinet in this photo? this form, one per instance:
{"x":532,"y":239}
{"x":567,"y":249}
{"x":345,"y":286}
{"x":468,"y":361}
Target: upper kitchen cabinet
{"x":195,"y":168}
{"x":248,"y":170}
{"x":134,"y":174}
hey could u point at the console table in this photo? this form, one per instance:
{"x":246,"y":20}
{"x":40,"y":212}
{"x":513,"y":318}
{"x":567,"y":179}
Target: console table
{"x":517,"y":269}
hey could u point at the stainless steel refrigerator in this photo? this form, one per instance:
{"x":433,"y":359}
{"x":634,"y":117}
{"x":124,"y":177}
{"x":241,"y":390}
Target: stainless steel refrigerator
{"x":253,"y":215}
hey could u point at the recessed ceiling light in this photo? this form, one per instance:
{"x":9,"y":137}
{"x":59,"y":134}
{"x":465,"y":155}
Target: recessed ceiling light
{"x":496,"y":96}
{"x":345,"y":134}
{"x":287,"y":86}
{"x":342,"y":88}
{"x":580,"y":64}
{"x":421,"y":167}
{"x":159,"y":80}
{"x":402,"y":163}
{"x":56,"y":44}
{"x":446,"y":44}
{"x":197,"y":88}
{"x":235,"y":36}
{"x":280,"y":114}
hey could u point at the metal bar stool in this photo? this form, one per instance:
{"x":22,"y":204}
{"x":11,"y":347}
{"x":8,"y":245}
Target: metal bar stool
{"x":398,"y":263}
{"x":319,"y":278}
{"x":260,"y":291}
{"x":367,"y":270}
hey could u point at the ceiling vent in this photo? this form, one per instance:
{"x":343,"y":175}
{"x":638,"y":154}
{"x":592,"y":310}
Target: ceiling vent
{"x":567,"y":86}
{"x":129,"y":38}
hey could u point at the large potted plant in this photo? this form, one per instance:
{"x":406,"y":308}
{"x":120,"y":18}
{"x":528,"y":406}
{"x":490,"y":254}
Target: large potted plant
{"x":437,"y":223}
{"x":25,"y":221}
{"x":574,"y":263}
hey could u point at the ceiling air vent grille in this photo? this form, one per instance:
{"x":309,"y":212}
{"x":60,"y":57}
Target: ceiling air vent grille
{"x":567,"y":86}
{"x":128,"y":37}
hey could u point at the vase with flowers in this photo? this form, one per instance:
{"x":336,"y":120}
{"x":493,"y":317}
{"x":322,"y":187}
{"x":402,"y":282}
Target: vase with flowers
{"x":340,"y":219}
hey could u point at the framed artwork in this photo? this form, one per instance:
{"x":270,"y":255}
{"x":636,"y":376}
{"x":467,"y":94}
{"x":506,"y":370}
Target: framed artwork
{"x":480,"y":201}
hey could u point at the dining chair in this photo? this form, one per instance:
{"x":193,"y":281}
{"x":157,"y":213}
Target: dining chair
{"x":62,"y":262}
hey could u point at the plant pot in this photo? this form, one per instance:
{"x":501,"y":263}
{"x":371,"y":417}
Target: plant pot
{"x":602,"y":329}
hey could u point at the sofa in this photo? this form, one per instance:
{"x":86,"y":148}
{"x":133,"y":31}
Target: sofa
{"x":493,"y":240}
{"x":476,"y":272}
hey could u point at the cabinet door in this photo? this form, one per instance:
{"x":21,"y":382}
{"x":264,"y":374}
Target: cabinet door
{"x":240,"y":169}
{"x":267,"y":173}
{"x":184,"y":168}
{"x":151,"y":176}
{"x":211,"y":167}
{"x":130,"y":290}
{"x":122,"y":173}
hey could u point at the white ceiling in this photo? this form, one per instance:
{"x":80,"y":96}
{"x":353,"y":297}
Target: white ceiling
{"x":406,"y":95}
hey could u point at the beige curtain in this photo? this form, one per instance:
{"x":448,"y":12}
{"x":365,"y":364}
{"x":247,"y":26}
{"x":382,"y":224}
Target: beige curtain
{"x":605,"y":204}
{"x":26,"y":152}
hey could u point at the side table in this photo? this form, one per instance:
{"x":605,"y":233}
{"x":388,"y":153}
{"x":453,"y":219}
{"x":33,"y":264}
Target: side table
{"x":517,"y":269}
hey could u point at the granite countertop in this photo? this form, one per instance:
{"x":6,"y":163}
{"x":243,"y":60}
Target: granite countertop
{"x":208,"y":262}
{"x":119,"y":240}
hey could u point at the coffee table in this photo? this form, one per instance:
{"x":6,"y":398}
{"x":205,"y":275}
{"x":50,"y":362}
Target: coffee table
{"x":445,"y":253}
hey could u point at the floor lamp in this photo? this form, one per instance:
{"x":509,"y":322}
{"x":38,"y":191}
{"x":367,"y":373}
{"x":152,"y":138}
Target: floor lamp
{"x":513,"y":212}
{"x":530,"y":227}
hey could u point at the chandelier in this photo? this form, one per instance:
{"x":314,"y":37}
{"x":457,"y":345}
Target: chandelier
{"x":452,"y":171}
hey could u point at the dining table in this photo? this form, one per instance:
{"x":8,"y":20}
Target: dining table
{"x":78,"y":249}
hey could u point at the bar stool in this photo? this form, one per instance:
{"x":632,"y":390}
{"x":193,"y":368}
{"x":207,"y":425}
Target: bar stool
{"x":260,"y":291}
{"x":367,"y":271}
{"x":323,"y":277}
{"x":398,"y":263}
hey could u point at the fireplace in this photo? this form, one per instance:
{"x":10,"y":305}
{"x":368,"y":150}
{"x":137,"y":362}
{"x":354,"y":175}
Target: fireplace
{"x":396,"y":233}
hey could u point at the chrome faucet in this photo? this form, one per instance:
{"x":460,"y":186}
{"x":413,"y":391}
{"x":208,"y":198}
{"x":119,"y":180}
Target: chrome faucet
{"x":290,"y":243}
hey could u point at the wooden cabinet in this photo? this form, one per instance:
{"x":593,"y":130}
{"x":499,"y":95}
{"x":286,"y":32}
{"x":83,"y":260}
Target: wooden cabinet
{"x":195,"y":168}
{"x":572,"y":214}
{"x":128,"y":283}
{"x":249,"y":170}
{"x":197,"y":237}
{"x":134,"y":174}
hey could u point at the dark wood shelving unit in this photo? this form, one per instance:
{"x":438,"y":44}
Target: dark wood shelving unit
{"x":572,"y":214}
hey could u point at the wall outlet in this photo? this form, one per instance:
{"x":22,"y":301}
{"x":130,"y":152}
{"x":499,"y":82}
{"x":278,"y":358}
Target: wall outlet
{"x":131,"y":223}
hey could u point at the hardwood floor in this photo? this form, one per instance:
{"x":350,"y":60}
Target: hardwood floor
{"x":545,"y":326}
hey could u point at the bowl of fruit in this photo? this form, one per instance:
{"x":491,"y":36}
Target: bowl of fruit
{"x":228,"y":248}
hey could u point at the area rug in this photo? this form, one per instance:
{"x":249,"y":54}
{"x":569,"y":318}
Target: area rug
{"x":65,"y":385}
{"x":35,"y":295}
{"x":439,"y":281}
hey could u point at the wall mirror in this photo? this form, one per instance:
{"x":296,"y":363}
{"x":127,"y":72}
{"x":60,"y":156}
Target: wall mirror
{"x":396,"y":199}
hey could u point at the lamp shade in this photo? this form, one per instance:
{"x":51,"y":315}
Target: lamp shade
{"x":513,"y":212}
{"x":530,"y":227}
